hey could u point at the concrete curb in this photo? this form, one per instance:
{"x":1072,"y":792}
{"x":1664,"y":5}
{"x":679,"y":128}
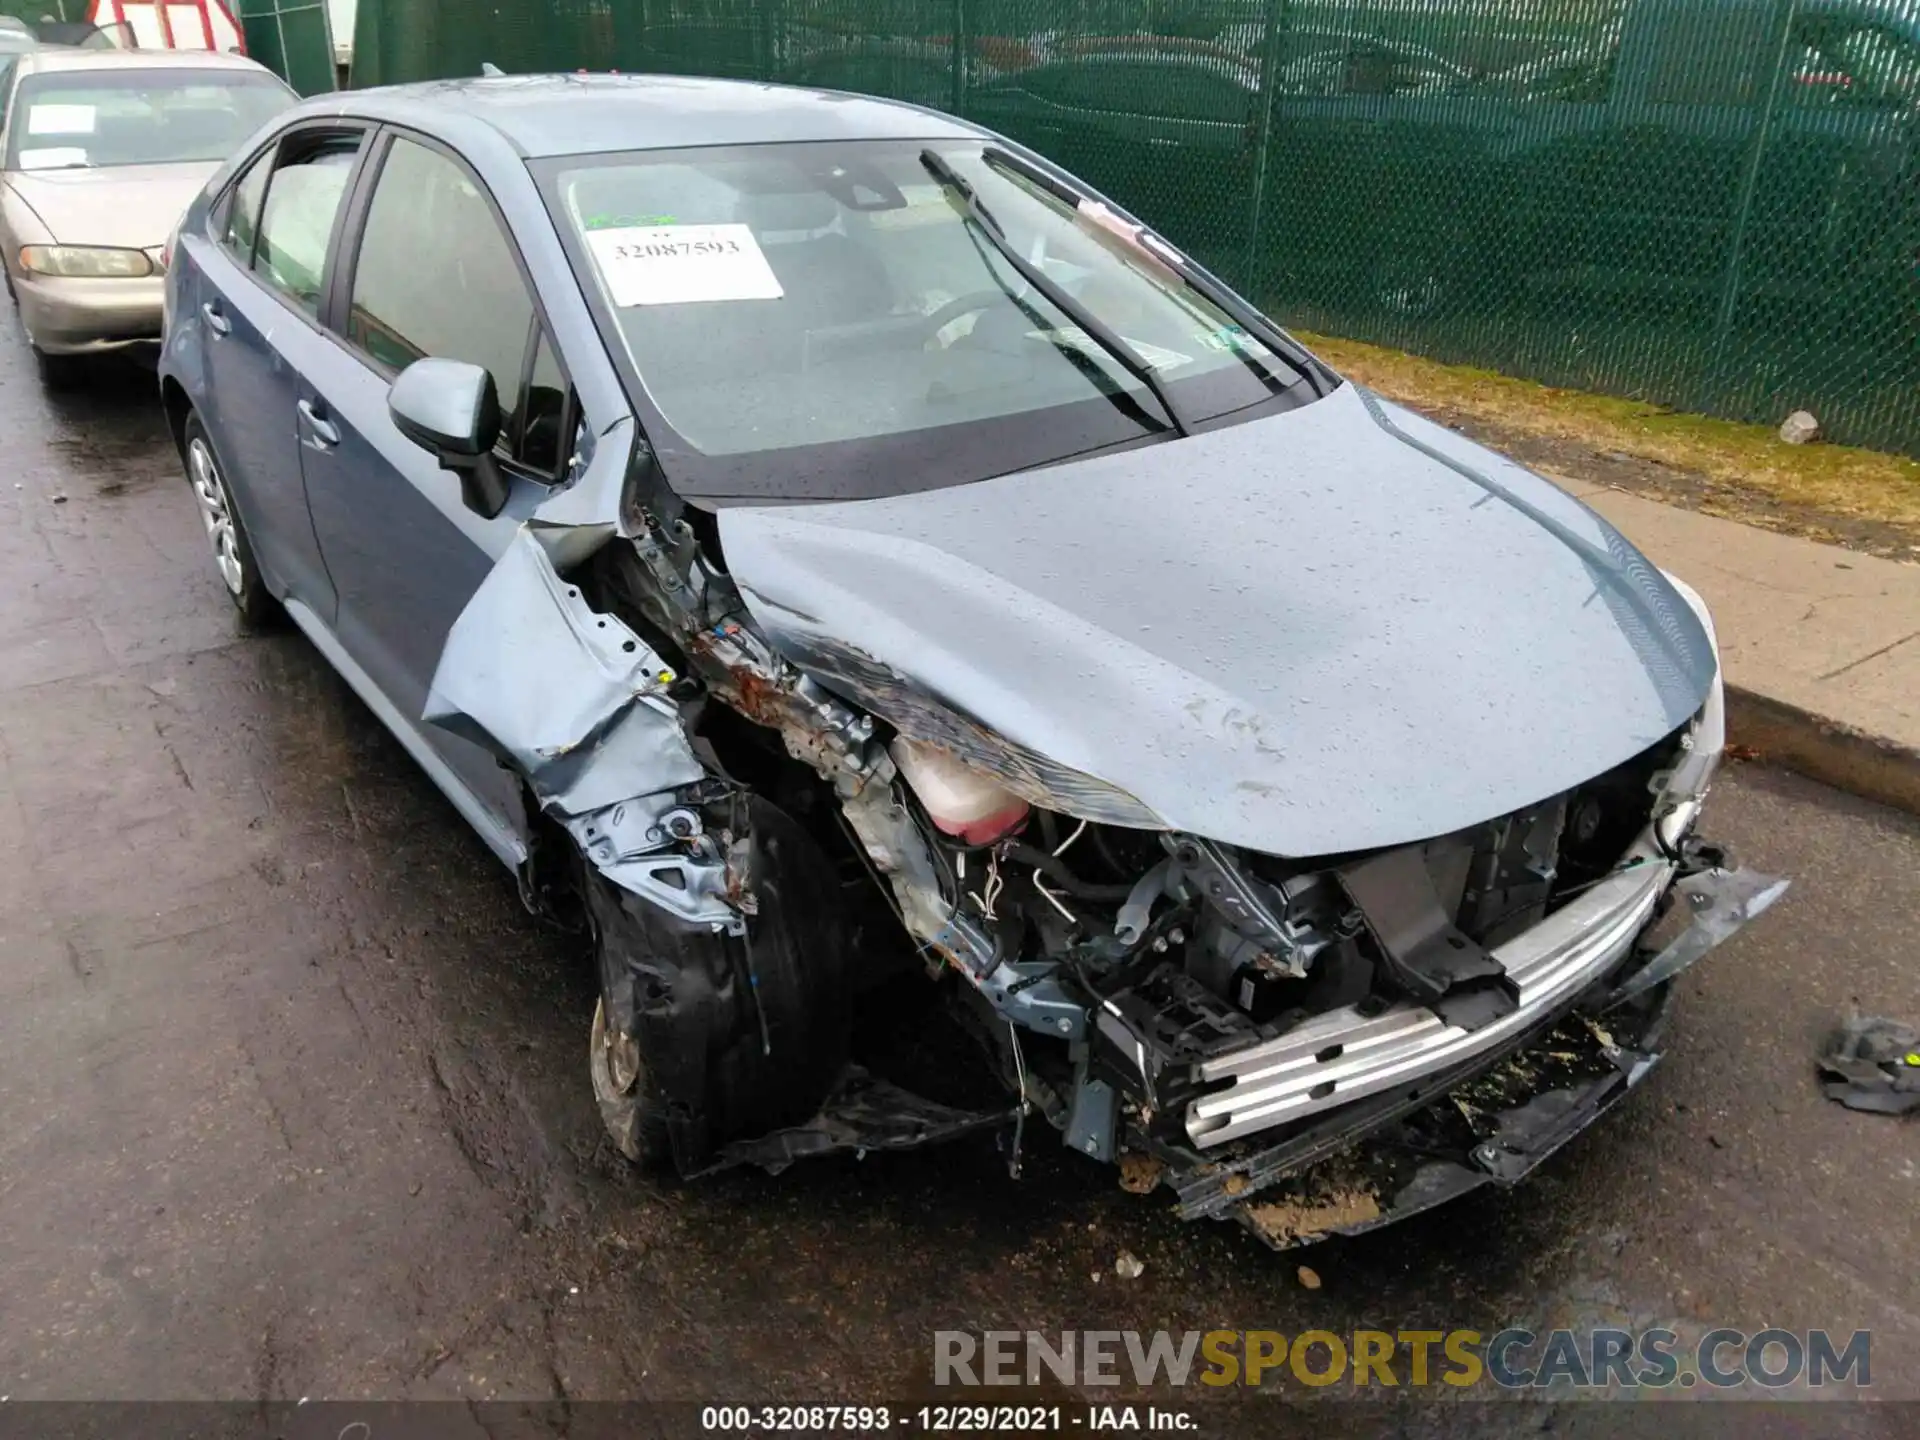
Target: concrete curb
{"x":1850,"y":759}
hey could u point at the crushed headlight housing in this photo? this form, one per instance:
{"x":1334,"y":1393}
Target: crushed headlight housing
{"x":91,"y":262}
{"x":1683,"y":789}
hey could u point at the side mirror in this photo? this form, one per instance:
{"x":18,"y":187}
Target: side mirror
{"x":450,"y":409}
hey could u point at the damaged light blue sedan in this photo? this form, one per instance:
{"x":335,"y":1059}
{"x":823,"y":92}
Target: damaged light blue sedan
{"x":763,"y":510}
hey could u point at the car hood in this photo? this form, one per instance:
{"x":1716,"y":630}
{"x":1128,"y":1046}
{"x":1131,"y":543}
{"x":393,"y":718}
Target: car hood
{"x":134,"y":207}
{"x":1337,"y":628}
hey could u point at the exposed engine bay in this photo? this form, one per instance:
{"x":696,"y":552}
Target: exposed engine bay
{"x":1207,"y":1010}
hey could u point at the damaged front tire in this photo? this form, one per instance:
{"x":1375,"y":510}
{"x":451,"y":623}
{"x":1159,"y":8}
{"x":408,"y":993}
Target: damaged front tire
{"x":703,"y":1038}
{"x":628,"y":1106}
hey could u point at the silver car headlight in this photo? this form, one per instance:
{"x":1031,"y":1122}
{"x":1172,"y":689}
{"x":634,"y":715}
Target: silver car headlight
{"x":1683,"y":789}
{"x":89,"y":262}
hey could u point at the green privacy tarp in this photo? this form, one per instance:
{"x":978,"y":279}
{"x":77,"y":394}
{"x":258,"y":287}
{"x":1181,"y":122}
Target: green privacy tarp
{"x":292,"y":38}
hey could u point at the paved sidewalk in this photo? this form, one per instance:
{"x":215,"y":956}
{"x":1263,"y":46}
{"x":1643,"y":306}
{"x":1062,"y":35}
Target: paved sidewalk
{"x":1821,"y":644}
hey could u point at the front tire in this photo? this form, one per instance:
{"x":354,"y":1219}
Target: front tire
{"x":232,"y":551}
{"x":702,"y":1038}
{"x":623,"y":1088}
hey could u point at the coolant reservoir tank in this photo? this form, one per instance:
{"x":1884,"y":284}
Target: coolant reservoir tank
{"x":961,"y":801}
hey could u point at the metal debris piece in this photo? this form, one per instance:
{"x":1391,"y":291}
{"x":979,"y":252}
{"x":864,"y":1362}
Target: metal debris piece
{"x":1721,"y":901}
{"x":1873,"y":1064}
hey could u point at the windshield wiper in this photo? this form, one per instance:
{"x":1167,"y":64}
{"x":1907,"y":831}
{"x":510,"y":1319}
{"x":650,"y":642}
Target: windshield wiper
{"x":1221,"y":298}
{"x":1094,"y":328}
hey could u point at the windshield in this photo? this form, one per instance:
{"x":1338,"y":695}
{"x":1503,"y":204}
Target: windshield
{"x":822,"y":320}
{"x":93,"y":119}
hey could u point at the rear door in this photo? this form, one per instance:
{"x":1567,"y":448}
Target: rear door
{"x":428,"y":269}
{"x":261,"y":270}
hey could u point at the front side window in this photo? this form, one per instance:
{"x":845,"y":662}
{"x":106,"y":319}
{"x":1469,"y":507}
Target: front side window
{"x":436,"y":275}
{"x":542,"y":442}
{"x":785,"y":306}
{"x":97,"y":119}
{"x":296,"y":223}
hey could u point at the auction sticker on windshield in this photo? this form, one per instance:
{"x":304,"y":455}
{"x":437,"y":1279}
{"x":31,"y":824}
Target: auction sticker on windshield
{"x":60,"y":120}
{"x":680,"y":264}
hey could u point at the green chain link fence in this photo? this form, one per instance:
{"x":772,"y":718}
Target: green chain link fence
{"x":1708,"y":204}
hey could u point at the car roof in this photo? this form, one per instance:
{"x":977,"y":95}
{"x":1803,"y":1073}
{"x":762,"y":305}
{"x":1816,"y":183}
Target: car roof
{"x":66,"y":58}
{"x":546,"y":115}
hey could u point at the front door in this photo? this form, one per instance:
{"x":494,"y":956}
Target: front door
{"x":432,"y":272}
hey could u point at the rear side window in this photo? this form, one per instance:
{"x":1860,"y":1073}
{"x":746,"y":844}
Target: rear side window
{"x":296,"y":222}
{"x":239,"y":216}
{"x":436,"y":275}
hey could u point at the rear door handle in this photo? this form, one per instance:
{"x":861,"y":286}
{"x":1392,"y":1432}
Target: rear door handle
{"x":216,"y":321}
{"x":325,"y":434}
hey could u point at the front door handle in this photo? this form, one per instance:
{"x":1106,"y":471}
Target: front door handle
{"x":325,"y":433}
{"x":216,"y":321}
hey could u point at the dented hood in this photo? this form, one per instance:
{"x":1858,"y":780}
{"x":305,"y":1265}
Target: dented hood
{"x":1336,"y":628}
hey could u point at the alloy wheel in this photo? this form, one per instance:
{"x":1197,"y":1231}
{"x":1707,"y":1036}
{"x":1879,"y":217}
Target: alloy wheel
{"x":216,"y":513}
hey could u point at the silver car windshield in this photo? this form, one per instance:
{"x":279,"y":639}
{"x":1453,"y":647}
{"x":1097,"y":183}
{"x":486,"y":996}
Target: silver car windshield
{"x":94,"y":119}
{"x":781,"y":297}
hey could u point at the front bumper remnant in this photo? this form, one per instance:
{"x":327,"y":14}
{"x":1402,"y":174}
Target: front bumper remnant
{"x":1491,"y":1116}
{"x":1349,"y":1054}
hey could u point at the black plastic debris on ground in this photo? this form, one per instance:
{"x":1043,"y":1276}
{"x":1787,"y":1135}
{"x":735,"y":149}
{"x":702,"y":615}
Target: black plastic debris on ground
{"x":1873,"y":1064}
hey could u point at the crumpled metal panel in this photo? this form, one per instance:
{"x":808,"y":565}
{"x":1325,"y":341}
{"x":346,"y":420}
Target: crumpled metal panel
{"x":571,"y":697}
{"x":1302,"y":634}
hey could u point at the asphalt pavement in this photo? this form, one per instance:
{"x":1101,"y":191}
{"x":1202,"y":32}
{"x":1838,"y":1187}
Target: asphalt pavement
{"x":295,"y":1098}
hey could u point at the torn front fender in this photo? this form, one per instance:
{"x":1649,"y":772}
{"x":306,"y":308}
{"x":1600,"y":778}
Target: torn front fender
{"x":576,"y":702}
{"x":570,"y":697}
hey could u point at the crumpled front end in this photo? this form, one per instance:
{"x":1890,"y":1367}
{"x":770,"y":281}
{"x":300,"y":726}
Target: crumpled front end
{"x":1410,"y":1019}
{"x":1220,"y":1018}
{"x":1232,"y":1025}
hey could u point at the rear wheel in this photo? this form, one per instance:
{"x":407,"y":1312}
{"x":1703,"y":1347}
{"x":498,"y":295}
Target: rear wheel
{"x":232,"y":551}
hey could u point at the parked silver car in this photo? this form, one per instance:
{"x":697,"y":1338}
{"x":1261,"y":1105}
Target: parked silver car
{"x":100,"y":152}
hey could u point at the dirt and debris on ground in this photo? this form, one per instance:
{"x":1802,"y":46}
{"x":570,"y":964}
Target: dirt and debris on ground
{"x":1139,"y":1173}
{"x":1318,"y":1212}
{"x":1862,"y":499}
